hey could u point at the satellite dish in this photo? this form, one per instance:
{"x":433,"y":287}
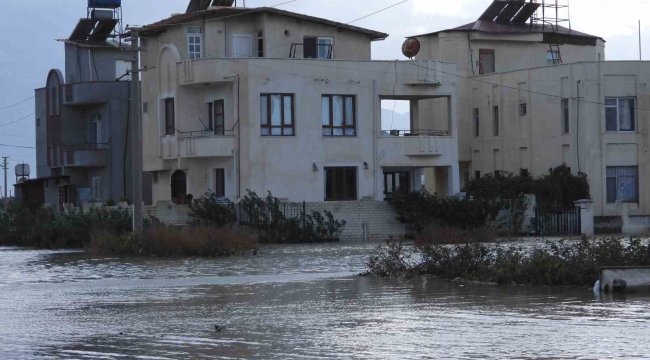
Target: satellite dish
{"x":22,"y":170}
{"x":411,"y":47}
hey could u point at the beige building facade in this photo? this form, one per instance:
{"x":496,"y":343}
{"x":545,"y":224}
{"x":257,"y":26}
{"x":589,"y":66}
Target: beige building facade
{"x":281,"y":102}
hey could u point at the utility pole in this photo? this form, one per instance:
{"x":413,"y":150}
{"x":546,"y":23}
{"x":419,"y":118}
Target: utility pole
{"x":5,"y":167}
{"x":136,"y":134}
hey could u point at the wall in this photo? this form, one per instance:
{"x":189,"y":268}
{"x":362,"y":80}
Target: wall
{"x":84,"y":64}
{"x":42,"y":169}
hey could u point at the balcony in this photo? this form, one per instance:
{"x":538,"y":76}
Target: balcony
{"x":87,"y":155}
{"x":92,"y":93}
{"x":201,"y":144}
{"x":406,"y":148}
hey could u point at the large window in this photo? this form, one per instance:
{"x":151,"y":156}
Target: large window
{"x":620,"y":114}
{"x":220,"y":183}
{"x":477,"y":123}
{"x":340,"y":183}
{"x":170,"y":122}
{"x":316,"y":47}
{"x":495,"y":121}
{"x":194,"y":42}
{"x":396,"y":183}
{"x":277,"y":114}
{"x":216,"y":117}
{"x":96,"y":129}
{"x":486,"y":61}
{"x":339,"y":115}
{"x":566,"y":122}
{"x":622,"y":184}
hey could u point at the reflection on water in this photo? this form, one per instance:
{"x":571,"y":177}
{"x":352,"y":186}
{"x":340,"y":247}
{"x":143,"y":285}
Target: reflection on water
{"x":293,"y":302}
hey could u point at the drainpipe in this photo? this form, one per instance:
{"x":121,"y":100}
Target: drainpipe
{"x":375,"y":94}
{"x":238,"y":124}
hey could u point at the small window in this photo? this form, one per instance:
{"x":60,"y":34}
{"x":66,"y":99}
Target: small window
{"x":96,"y":129}
{"x":47,"y":184}
{"x":145,"y":107}
{"x":154,"y":177}
{"x":220,"y":183}
{"x":477,"y":175}
{"x":620,"y":114}
{"x":340,"y":184}
{"x":486,"y":61}
{"x":523,"y":109}
{"x":194,"y":42}
{"x":315,"y":47}
{"x":495,"y":121}
{"x":339,"y":115}
{"x":38,"y":122}
{"x":477,"y":123}
{"x":260,"y":43}
{"x":552,"y":57}
{"x":218,"y":106}
{"x":277,"y":115}
{"x":622,"y":184}
{"x":170,"y":123}
{"x":96,"y":189}
{"x":566,"y":120}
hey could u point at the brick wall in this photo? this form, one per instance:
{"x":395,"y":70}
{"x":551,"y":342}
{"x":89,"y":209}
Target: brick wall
{"x":169,"y":213}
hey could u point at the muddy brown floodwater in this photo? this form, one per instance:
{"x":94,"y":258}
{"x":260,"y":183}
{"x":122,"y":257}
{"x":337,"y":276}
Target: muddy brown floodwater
{"x":294,"y":302}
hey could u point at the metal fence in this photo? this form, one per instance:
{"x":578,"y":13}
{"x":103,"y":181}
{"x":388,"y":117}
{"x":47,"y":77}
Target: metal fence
{"x":262,"y":213}
{"x":555,"y":221}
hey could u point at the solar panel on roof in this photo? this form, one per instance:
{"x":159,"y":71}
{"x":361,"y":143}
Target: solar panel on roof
{"x":83,"y":29}
{"x":526,"y":12}
{"x":509,"y":11}
{"x":493,"y":10}
{"x":103,"y":29}
{"x":227,"y":3}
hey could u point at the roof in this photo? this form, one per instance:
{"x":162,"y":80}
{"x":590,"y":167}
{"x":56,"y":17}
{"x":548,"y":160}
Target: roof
{"x":218,"y":12}
{"x":498,"y":28}
{"x":96,"y":44}
{"x":41,"y":179}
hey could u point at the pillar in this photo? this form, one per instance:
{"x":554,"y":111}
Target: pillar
{"x":586,"y":216}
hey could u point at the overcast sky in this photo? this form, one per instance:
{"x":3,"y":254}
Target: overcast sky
{"x":31,"y":27}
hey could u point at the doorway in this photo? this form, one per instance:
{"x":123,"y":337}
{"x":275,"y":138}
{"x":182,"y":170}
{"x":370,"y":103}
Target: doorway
{"x":396,"y":183}
{"x":179,"y":186}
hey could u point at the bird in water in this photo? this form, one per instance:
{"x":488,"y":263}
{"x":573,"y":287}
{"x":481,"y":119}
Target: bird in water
{"x":217,"y":328}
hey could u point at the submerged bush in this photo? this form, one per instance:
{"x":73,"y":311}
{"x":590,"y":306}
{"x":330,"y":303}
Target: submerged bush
{"x":175,"y":242}
{"x":564,"y":263}
{"x":209,"y":210}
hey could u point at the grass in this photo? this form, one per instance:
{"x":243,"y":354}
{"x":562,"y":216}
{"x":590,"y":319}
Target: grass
{"x":175,"y":242}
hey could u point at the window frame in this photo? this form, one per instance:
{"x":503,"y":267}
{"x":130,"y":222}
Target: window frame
{"x":330,"y":48}
{"x":260,"y":43}
{"x":96,"y":128}
{"x":96,"y":188}
{"x":220,"y":191}
{"x":633,"y":114}
{"x":477,"y":122}
{"x":613,"y":198}
{"x":218,"y":127}
{"x":343,"y":191}
{"x":344,"y":127}
{"x":495,"y":121}
{"x":552,"y":56}
{"x":193,"y":54}
{"x":486,"y":52}
{"x":523,"y":109}
{"x":269,"y":115}
{"x":565,"y":107}
{"x":170,"y":124}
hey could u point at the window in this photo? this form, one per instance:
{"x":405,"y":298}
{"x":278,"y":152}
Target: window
{"x":154,"y":177}
{"x":145,"y":107}
{"x":38,"y":122}
{"x":315,"y":47}
{"x":477,"y":174}
{"x":523,"y":109}
{"x":485,"y":61}
{"x":395,"y":183}
{"x":194,"y":42}
{"x":96,"y":129}
{"x":276,"y":111}
{"x":96,"y":190}
{"x":242,"y":46}
{"x":340,"y":184}
{"x":523,"y":172}
{"x":552,"y":57}
{"x":170,"y":123}
{"x":47,"y":184}
{"x":566,"y":124}
{"x":260,"y":43}
{"x":477,"y":124}
{"x":622,"y":184}
{"x":216,"y":117}
{"x":495,"y":121}
{"x":620,"y":114}
{"x":220,"y":183}
{"x":339,"y":115}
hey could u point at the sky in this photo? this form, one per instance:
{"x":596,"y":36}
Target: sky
{"x":31,"y":28}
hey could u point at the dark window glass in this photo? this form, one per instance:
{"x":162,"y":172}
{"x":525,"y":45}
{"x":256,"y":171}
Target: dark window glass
{"x":523,"y":109}
{"x":210,"y":115}
{"x":310,"y":47}
{"x":477,"y":125}
{"x":622,"y":183}
{"x":565,"y":116}
{"x":220,"y":183}
{"x":477,"y":175}
{"x":219,"y":117}
{"x":399,"y":182}
{"x":341,"y":184}
{"x":495,"y":129}
{"x":339,"y":115}
{"x":170,"y":123}
{"x":523,"y":172}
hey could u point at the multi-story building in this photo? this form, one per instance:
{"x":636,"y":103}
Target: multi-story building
{"x":270,"y":100}
{"x":534,"y":94}
{"x":82,"y":117}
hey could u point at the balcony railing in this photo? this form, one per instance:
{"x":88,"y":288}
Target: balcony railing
{"x":205,"y":143}
{"x":80,"y":155}
{"x":387,"y":133}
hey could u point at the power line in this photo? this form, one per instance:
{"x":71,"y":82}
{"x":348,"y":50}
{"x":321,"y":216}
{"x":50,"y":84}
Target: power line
{"x":18,"y":103}
{"x":18,"y":146}
{"x":13,"y":122}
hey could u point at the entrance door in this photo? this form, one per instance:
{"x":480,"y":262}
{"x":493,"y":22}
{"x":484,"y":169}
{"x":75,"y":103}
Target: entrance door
{"x":179,"y":186}
{"x":396,"y":182}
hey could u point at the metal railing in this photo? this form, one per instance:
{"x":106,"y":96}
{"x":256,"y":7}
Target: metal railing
{"x":557,"y":221}
{"x":294,"y":48}
{"x":388,"y":133}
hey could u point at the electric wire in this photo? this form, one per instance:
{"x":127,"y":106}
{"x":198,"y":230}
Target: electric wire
{"x":18,"y":103}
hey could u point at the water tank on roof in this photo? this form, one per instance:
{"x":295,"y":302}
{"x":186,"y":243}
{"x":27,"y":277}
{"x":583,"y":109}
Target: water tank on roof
{"x":22,"y":170}
{"x":105,"y":4}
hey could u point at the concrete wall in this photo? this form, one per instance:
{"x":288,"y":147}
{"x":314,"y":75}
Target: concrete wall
{"x":84,"y":64}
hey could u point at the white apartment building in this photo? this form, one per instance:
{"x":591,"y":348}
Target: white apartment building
{"x":270,"y":100}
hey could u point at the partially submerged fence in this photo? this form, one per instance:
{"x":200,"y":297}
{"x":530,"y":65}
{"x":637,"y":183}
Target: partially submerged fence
{"x":557,"y":221}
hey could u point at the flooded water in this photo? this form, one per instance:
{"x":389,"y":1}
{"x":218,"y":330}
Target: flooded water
{"x":293,"y":302}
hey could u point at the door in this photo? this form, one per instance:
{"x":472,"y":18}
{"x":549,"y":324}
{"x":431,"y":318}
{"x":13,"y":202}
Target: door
{"x":179,"y":186}
{"x":242,"y":46}
{"x":396,"y":182}
{"x":220,"y":183}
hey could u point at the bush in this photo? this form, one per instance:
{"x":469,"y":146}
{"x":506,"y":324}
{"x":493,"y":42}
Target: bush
{"x":210,"y":211}
{"x":420,"y":210}
{"x":175,"y":242}
{"x":274,"y":226}
{"x":445,"y":235}
{"x":575,"y":263}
